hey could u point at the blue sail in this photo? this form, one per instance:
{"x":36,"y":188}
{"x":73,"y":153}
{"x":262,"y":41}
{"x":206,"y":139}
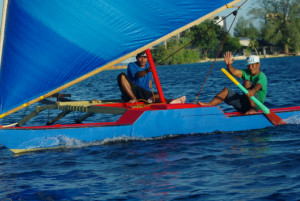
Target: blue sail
{"x":48,"y":43}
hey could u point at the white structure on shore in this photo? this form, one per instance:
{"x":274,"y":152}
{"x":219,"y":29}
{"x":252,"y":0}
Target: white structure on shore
{"x":245,"y":42}
{"x":222,"y":22}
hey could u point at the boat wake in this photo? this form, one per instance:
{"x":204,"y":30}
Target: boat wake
{"x":52,"y":142}
{"x":126,"y":139}
{"x":63,"y":142}
{"x":293,"y":119}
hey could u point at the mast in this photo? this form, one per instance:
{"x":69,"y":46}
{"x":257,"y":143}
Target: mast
{"x":4,"y":10}
{"x":155,"y":76}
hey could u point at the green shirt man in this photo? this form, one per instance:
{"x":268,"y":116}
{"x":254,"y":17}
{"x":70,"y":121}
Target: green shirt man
{"x":259,"y":78}
{"x":254,"y":81}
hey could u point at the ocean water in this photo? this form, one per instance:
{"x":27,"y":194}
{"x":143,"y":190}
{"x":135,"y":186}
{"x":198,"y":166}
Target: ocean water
{"x":249,"y":165}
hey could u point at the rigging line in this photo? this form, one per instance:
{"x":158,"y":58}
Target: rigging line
{"x":235,"y":15}
{"x":24,"y":113}
{"x":48,"y":117}
{"x":74,"y":116}
{"x":161,"y":62}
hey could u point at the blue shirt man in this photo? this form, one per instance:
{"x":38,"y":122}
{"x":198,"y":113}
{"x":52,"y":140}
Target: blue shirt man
{"x":137,"y":84}
{"x":133,"y":69}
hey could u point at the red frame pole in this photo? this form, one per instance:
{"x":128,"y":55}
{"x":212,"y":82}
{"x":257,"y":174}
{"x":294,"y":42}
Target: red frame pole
{"x":155,"y":76}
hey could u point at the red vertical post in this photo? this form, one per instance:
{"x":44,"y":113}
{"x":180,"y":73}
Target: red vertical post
{"x":155,"y":76}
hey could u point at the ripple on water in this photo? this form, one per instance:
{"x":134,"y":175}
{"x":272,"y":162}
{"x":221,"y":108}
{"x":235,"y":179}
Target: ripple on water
{"x":250,"y":165}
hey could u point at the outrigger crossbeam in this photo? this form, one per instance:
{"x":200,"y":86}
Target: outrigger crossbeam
{"x":89,"y":107}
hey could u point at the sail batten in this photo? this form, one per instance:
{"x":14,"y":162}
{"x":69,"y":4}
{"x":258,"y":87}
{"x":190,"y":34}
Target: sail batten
{"x":51,"y":45}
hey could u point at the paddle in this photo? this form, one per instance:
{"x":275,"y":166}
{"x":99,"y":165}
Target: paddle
{"x":273,"y":118}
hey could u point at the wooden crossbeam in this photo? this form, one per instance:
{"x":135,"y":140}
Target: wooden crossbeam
{"x":61,"y":115}
{"x":78,"y":106}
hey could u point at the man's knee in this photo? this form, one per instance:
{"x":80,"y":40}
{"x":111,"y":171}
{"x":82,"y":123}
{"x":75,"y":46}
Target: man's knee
{"x":224,"y":93}
{"x":225,"y":90}
{"x":122,"y":78}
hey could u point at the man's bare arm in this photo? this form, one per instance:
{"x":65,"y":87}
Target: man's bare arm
{"x":229,"y":62}
{"x":142,"y":73}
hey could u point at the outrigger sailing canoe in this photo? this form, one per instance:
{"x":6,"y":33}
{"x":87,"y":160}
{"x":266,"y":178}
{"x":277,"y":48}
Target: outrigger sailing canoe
{"x":49,"y":45}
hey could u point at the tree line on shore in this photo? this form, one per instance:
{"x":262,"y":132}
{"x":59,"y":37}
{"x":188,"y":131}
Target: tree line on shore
{"x":278,"y":26}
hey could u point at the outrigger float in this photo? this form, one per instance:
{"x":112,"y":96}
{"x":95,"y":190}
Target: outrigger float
{"x":50,"y":45}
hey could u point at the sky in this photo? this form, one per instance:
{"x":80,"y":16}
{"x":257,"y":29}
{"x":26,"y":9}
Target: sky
{"x":242,"y":12}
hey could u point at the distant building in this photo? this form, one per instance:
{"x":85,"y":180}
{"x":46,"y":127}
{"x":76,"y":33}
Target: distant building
{"x":272,"y":16}
{"x":245,"y":42}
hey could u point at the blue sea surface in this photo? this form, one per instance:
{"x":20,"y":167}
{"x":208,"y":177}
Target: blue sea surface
{"x":248,"y":165}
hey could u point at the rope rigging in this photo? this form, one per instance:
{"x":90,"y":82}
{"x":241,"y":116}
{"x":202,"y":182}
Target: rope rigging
{"x":235,"y":15}
{"x":195,"y":39}
{"x":221,"y":46}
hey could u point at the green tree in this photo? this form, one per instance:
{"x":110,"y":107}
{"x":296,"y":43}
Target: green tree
{"x":183,"y":56}
{"x":201,"y":41}
{"x":205,"y":39}
{"x":244,"y":28}
{"x":281,"y":22}
{"x":294,"y":26}
{"x":232,"y":44}
{"x":240,"y":29}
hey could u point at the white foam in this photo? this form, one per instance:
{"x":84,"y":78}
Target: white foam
{"x":293,"y":119}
